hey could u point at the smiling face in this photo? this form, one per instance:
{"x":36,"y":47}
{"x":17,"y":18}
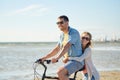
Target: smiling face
{"x":85,"y":39}
{"x":62,"y":24}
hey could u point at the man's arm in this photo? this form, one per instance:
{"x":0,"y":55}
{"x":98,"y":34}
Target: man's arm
{"x":63,"y":51}
{"x":52,"y":53}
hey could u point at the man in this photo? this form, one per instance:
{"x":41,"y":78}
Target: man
{"x":68,"y":46}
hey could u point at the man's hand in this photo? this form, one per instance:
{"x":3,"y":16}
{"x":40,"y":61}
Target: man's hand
{"x":54,"y":60}
{"x":43,"y":59}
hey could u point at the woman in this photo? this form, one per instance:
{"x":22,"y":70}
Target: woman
{"x":90,"y":72}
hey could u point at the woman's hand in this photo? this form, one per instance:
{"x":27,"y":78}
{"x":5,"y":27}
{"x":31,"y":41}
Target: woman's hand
{"x":65,"y":60}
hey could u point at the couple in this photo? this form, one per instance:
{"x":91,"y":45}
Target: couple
{"x":75,"y":56}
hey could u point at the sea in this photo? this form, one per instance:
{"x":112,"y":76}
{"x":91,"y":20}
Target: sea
{"x":17,"y":58}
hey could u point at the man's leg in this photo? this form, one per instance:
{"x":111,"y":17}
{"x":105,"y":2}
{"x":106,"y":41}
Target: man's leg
{"x":69,"y":68}
{"x":62,"y":74}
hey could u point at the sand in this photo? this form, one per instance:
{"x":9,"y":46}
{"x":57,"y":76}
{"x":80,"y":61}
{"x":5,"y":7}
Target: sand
{"x":104,"y":75}
{"x":110,"y":75}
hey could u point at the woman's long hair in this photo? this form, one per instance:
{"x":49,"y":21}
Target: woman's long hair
{"x":90,"y":40}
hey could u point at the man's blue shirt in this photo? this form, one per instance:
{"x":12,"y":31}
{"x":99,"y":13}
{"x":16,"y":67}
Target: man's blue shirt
{"x":74,"y":39}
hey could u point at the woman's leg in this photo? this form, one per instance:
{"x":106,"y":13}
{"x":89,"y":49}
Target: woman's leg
{"x":93,"y":78}
{"x":85,"y":76}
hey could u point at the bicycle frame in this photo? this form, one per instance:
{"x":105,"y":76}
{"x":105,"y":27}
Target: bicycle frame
{"x":44,"y":76}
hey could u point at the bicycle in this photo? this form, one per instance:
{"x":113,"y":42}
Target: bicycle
{"x":44,"y":76}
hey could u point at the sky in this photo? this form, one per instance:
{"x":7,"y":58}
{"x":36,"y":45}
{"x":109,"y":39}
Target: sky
{"x":35,"y":20}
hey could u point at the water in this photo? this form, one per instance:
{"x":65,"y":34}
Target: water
{"x":16,"y":59}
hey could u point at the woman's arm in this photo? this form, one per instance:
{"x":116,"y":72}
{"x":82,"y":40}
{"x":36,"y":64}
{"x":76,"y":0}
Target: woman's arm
{"x":86,"y":54}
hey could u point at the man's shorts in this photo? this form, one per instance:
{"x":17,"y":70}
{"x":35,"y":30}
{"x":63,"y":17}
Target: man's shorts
{"x":73,"y":66}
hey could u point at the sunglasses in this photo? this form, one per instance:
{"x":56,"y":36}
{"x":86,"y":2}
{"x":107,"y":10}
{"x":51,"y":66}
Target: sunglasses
{"x":60,"y":22}
{"x":85,"y":38}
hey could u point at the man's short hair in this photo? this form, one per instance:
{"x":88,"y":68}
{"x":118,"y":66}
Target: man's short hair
{"x":64,"y":17}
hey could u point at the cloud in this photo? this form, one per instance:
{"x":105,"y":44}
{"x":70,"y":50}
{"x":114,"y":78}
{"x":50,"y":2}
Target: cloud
{"x":32,"y":10}
{"x":28,"y":8}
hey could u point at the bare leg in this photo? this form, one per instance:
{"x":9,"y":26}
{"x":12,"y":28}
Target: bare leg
{"x":62,"y":74}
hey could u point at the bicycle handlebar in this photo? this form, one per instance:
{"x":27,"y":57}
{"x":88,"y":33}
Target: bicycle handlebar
{"x":39,"y":61}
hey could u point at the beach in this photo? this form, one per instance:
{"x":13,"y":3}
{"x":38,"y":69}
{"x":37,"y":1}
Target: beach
{"x":110,"y":75}
{"x":17,"y":60}
{"x":105,"y":75}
